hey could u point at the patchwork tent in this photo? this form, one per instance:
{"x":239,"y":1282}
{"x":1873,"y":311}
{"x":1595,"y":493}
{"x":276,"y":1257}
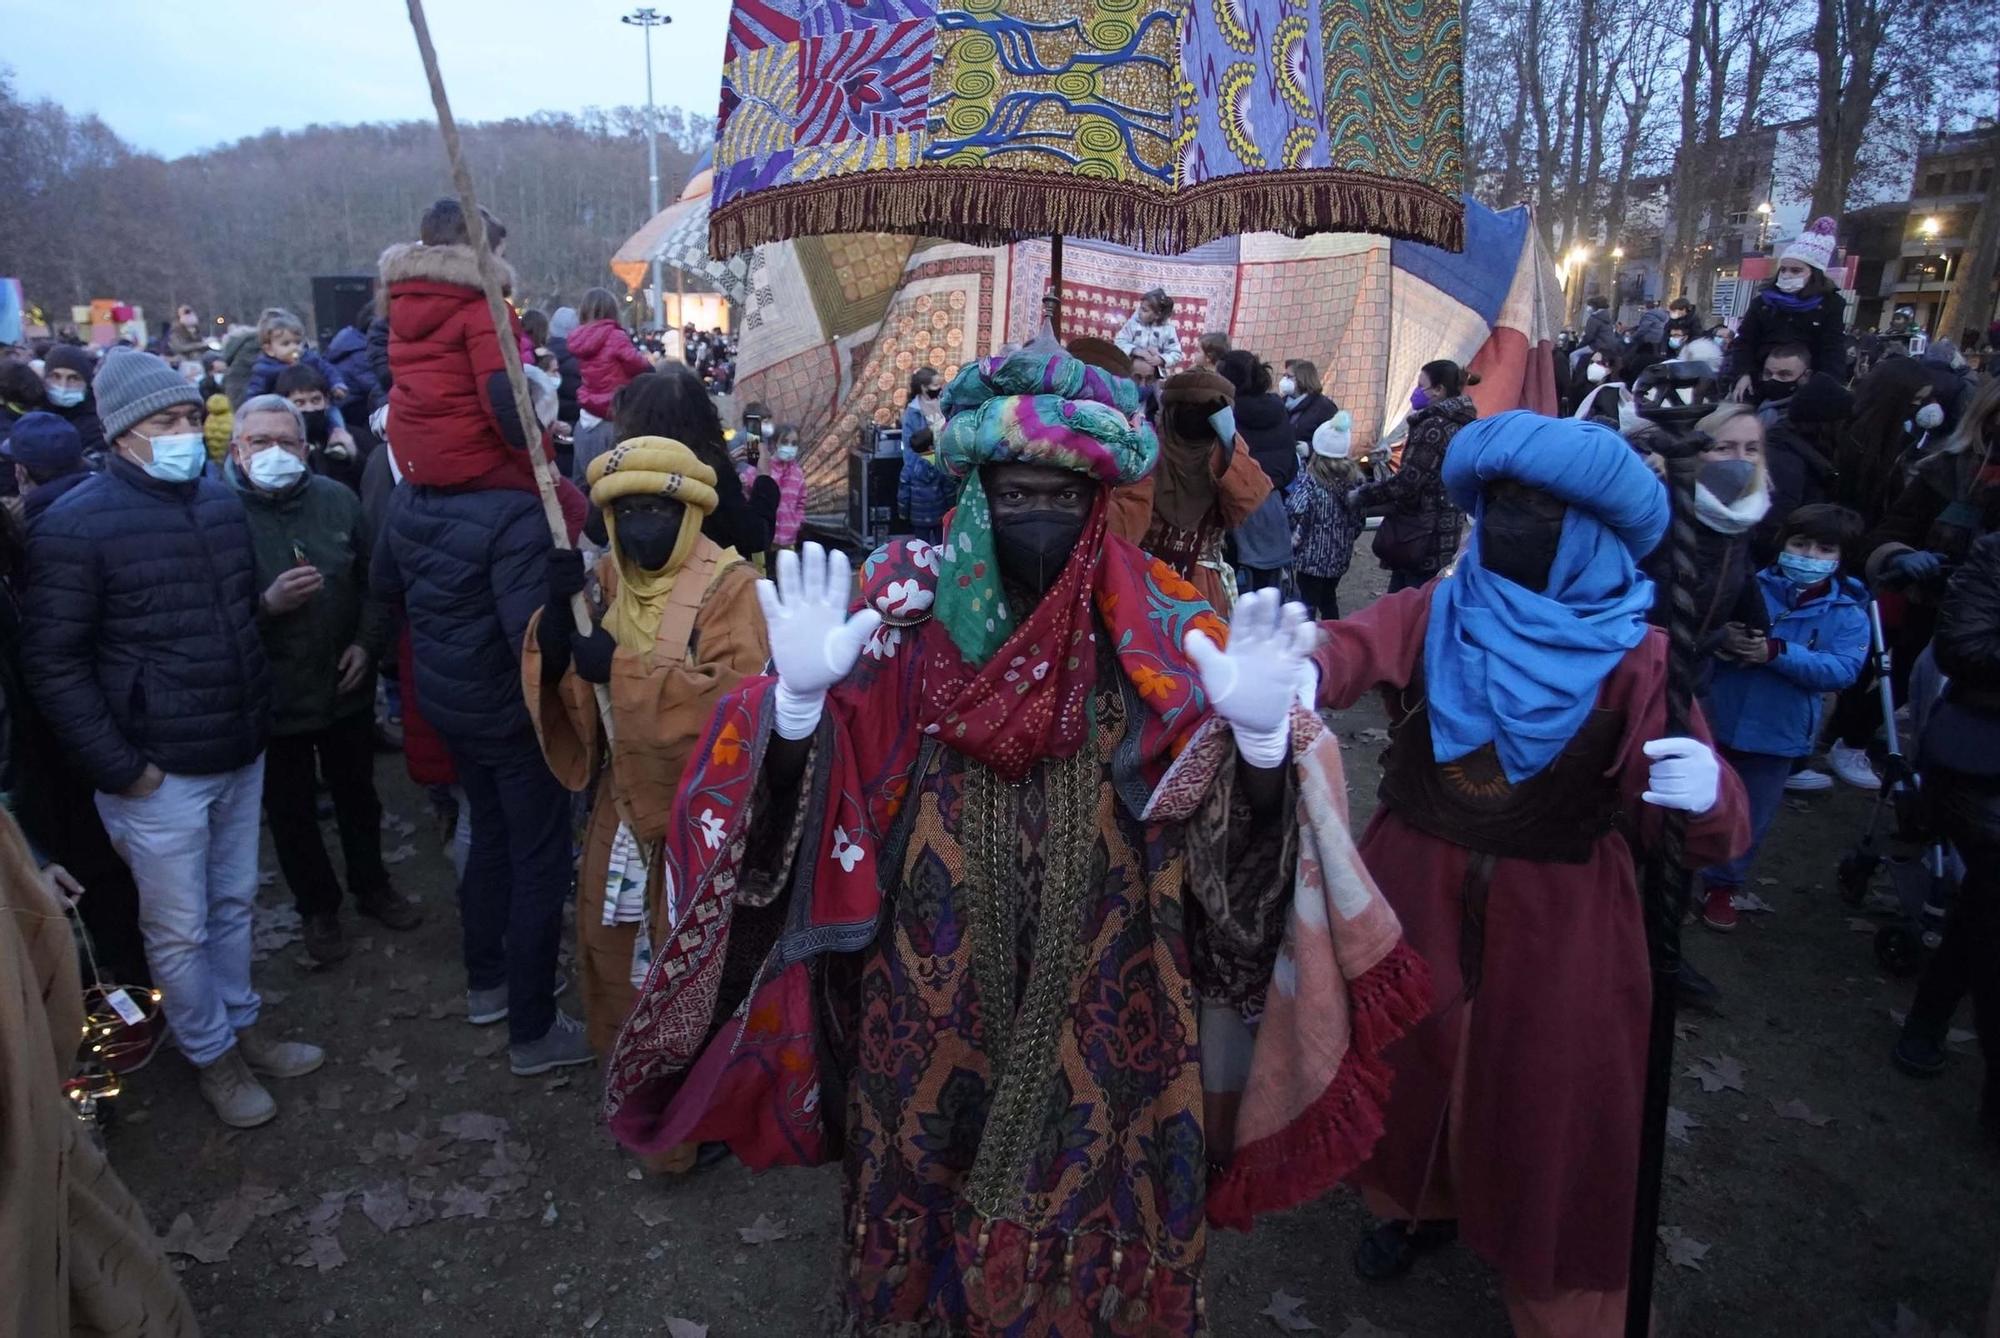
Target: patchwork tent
{"x":677,"y":237}
{"x":833,"y":326}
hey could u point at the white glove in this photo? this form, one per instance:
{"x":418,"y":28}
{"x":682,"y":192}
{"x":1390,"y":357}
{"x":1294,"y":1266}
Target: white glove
{"x":813,"y":642}
{"x":1255,"y":683}
{"x":1684,"y":775}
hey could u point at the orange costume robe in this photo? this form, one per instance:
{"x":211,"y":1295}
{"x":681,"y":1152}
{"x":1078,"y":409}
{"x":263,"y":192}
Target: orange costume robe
{"x":711,"y":635}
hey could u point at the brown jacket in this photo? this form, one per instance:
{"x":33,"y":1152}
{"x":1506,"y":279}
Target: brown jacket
{"x":1240,"y":488}
{"x":711,"y":637}
{"x":76,"y":1255}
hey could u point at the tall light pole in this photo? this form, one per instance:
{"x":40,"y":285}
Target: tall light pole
{"x":1929,"y":229}
{"x":1764,"y":226}
{"x":649,"y":18}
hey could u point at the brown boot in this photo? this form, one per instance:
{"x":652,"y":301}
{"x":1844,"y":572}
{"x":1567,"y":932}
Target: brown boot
{"x":392,"y":908}
{"x":236,"y":1097}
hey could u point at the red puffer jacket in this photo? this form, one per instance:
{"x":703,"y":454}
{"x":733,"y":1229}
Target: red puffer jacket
{"x":451,"y":415}
{"x":608,"y":359}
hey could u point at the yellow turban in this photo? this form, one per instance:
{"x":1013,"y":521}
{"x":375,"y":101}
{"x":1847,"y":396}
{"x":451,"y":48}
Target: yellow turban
{"x":649,"y":467}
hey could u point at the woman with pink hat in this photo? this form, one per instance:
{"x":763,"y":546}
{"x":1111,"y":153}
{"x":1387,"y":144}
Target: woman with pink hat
{"x":1799,"y":306}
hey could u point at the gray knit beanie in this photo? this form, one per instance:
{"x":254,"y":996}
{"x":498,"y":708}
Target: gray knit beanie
{"x":132,"y":386}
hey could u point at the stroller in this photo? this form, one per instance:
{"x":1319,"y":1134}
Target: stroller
{"x":1922,"y":869}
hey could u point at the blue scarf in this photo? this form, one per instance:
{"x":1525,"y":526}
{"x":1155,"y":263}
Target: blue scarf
{"x":1519,"y":669}
{"x":1790,"y":301}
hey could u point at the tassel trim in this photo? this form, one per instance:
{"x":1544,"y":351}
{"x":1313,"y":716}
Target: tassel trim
{"x":962,"y":204}
{"x":1337,"y":1132}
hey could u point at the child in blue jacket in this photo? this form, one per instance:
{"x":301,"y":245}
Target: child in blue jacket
{"x":281,"y":340}
{"x":1765,"y":701}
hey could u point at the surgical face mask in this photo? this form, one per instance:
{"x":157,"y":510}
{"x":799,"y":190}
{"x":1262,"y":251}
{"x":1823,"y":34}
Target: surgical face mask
{"x":1287,"y":387}
{"x":66,"y":397}
{"x":1035,"y":546}
{"x":1596,"y":372}
{"x":1675,"y":341}
{"x":788,"y":453}
{"x":1223,"y":420}
{"x":1802,"y":571}
{"x":273,"y":469}
{"x":1930,"y":416}
{"x":178,"y":457}
{"x":1419,"y":398}
{"x":1791,"y":283}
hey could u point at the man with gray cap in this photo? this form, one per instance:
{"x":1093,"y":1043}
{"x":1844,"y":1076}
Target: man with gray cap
{"x":141,"y":645}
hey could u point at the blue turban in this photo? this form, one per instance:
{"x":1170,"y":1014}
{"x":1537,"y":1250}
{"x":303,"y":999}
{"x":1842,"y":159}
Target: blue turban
{"x":1518,"y":668}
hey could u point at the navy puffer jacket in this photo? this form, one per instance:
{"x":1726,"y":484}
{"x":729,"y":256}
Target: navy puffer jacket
{"x":469,"y":569}
{"x":140,"y":636}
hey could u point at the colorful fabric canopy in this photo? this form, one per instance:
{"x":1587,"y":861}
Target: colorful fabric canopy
{"x":677,"y":237}
{"x":1160,"y":124}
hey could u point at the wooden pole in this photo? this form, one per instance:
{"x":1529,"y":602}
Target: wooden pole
{"x":503,"y":328}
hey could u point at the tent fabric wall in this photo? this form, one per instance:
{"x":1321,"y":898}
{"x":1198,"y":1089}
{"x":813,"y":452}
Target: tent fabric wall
{"x":834,"y":326}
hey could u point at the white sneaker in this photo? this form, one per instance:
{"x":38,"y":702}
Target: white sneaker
{"x":270,"y":1058}
{"x":1852,"y":766}
{"x":236,"y":1097}
{"x":1808,"y":781}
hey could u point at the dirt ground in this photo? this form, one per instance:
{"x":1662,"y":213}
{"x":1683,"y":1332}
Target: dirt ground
{"x":413,"y":1186}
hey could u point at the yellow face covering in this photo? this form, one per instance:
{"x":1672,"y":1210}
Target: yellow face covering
{"x":649,"y":467}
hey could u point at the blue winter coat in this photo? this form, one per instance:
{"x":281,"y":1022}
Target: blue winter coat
{"x":264,"y":380}
{"x":1774,"y":708}
{"x":469,"y":569}
{"x":140,"y":628}
{"x":348,"y":356}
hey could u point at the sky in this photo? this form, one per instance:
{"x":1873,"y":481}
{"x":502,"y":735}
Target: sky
{"x":177,"y":78}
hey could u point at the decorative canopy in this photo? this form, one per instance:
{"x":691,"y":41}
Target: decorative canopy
{"x":1158,"y":124}
{"x":677,"y":237}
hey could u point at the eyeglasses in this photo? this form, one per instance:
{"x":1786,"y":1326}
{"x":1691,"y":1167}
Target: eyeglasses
{"x":262,"y":443}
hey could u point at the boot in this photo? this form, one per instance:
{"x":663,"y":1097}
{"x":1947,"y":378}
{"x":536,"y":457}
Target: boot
{"x":324,"y":943}
{"x":278,"y":1059}
{"x":392,"y":908}
{"x":236,"y":1097}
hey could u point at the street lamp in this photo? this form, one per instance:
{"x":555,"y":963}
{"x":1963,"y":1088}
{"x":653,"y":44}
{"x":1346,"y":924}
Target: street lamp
{"x":1764,"y":226}
{"x":649,"y":18}
{"x":1929,"y":230}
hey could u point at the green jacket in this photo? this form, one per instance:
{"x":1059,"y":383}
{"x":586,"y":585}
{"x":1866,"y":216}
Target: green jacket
{"x":322,"y":520}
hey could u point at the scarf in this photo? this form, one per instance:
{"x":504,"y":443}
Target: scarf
{"x":1184,"y":492}
{"x":1794,"y":302}
{"x":1731,"y":518}
{"x":649,"y":467}
{"x":1035,"y":406}
{"x":1518,"y":668}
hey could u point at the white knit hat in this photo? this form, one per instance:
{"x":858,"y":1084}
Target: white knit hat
{"x":1333,"y":437}
{"x":1814,"y":246}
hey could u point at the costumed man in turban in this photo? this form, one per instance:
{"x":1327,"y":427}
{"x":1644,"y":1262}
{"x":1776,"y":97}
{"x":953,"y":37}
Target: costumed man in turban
{"x":678,"y":627}
{"x":1526,"y":697}
{"x":984,"y":883}
{"x":1207,"y":484}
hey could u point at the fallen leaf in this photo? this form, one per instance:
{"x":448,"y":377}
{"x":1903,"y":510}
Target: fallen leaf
{"x":1799,"y":1110}
{"x":1908,"y":1324}
{"x":1680,"y":1124}
{"x":1371,"y":736}
{"x":390,"y":1208}
{"x":592,"y":1320}
{"x":324,"y":1218}
{"x":557,"y":1083}
{"x":1284,"y":1312}
{"x":491,"y":1046}
{"x":762,"y":1231}
{"x":471,"y":1126}
{"x":1751,"y":902}
{"x":384,"y":1062}
{"x":439,"y":1011}
{"x":399,"y":854}
{"x":1357,"y":1327}
{"x":323,"y":1253}
{"x":1718,"y":1073}
{"x":549,"y":1215}
{"x":685,"y":1328}
{"x":272,"y":997}
{"x":385,"y":1103}
{"x":464,"y":1201}
{"x":1682,"y":1249}
{"x":453,"y":1073}
{"x":653,"y":1213}
{"x":272,"y":928}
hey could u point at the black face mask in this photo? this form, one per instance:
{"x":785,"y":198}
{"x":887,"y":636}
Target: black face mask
{"x":1518,"y":534}
{"x":647,"y":538}
{"x":1768,"y":390}
{"x":1034,"y":547}
{"x":1728,"y":480}
{"x":317,"y":428}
